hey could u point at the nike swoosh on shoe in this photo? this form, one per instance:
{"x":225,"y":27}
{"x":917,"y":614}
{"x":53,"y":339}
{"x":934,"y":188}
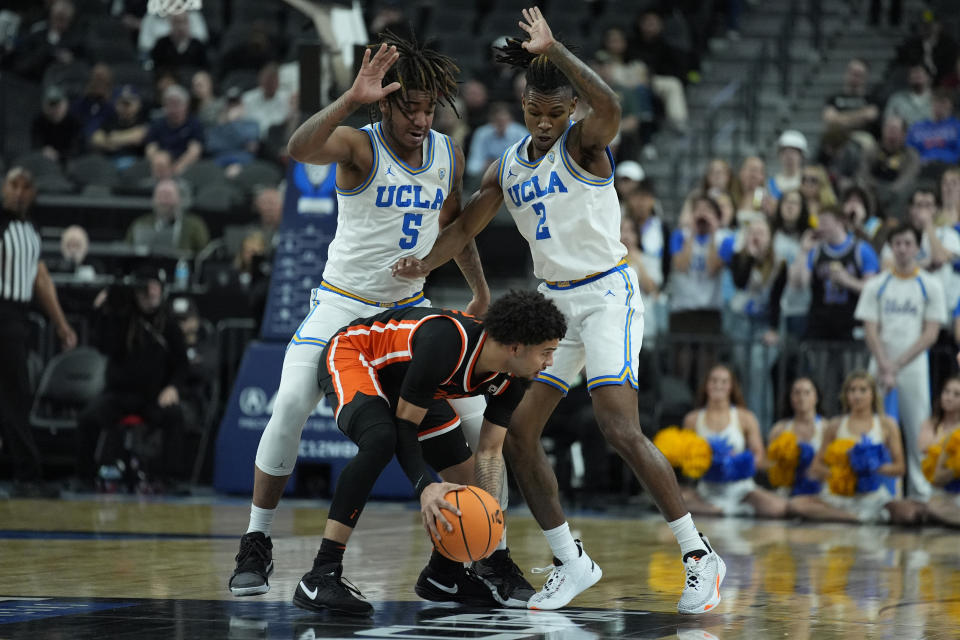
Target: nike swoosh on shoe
{"x":312,"y":594}
{"x":450,"y":590}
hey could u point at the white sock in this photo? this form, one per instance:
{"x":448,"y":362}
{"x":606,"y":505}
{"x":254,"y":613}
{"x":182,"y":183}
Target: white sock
{"x":686,"y":534}
{"x":261,"y":519}
{"x":562,"y":544}
{"x":503,"y":541}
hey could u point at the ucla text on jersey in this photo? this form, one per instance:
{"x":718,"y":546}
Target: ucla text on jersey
{"x":530,"y":189}
{"x":407,"y":195}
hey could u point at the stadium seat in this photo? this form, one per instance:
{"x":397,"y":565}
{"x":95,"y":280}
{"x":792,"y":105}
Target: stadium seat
{"x":93,"y":170}
{"x":38,"y":164}
{"x":71,"y":77}
{"x":218,"y":197}
{"x":70,"y":381}
{"x":203,"y":173}
{"x":257,"y":174}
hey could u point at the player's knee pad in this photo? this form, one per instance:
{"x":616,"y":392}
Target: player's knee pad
{"x":295,"y":400}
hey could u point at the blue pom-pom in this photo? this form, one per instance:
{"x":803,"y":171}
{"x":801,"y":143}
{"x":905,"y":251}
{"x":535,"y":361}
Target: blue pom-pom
{"x":806,"y":486}
{"x":952,"y":487}
{"x":741,"y":466}
{"x":726,"y":467}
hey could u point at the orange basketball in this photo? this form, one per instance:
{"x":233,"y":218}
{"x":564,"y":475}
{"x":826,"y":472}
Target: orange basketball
{"x":476,"y":531}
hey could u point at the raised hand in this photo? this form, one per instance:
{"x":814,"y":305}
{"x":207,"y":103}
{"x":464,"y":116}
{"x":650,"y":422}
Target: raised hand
{"x":367,"y":85}
{"x":536,"y":27}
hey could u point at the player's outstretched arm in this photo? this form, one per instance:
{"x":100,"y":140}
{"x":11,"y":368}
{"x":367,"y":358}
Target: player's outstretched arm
{"x":320,"y":140}
{"x":476,"y":214}
{"x":601,"y":124}
{"x":469,"y":258}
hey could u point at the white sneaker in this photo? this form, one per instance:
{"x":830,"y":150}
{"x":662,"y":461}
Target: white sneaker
{"x":705,"y":572}
{"x":566,"y":581}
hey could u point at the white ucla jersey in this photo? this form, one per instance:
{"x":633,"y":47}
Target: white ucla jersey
{"x":570,"y":218}
{"x":393,"y":214}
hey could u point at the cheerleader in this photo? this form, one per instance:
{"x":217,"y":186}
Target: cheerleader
{"x":863,"y":422}
{"x":940,"y":441}
{"x":807,"y":426}
{"x":723,"y":420}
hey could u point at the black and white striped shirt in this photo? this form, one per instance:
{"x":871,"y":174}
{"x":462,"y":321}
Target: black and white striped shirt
{"x":19,"y":256}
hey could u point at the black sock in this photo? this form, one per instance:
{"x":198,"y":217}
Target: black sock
{"x":444,"y":564}
{"x":330,"y":554}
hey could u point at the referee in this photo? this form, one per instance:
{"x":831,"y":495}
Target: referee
{"x":23,"y":278}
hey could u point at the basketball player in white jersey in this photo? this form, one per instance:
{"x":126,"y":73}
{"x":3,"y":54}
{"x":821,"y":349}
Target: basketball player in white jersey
{"x":902,"y":310}
{"x":557,"y":184}
{"x":398,"y":182}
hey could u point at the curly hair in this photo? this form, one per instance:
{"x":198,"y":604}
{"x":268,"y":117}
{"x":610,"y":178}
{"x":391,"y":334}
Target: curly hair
{"x":420,"y":69}
{"x":524,"y":317}
{"x":541,"y":74}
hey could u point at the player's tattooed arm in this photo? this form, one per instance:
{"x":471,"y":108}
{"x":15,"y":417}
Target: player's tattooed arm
{"x":602,"y":124}
{"x":320,"y":140}
{"x":489,"y":458}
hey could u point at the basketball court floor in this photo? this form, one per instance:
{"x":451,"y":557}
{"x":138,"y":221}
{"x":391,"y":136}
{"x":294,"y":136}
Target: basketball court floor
{"x":113,"y":568}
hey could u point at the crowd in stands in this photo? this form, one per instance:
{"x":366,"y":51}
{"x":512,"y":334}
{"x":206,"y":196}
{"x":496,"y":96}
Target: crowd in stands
{"x":767,"y":252}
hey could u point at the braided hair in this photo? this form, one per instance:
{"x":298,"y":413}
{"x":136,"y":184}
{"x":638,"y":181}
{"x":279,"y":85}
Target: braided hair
{"x":420,"y":69}
{"x":541,"y":74}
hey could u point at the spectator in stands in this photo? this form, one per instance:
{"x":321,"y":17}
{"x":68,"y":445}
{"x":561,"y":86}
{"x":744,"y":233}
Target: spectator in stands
{"x":476,"y":102}
{"x":123,"y":134}
{"x":860,"y":216}
{"x":817,"y":189}
{"x":267,"y":104}
{"x":268,"y":204}
{"x":835,"y":270}
{"x":94,"y":107}
{"x":853,"y":110}
{"x":169,"y":226}
{"x":938,"y":248}
{"x":235,"y":140}
{"x":177,"y":132}
{"x":146,"y":367}
{"x":931,"y":46}
{"x":760,"y":277}
{"x":698,"y":255}
{"x":749,"y":190}
{"x":74,"y":247}
{"x":717,"y":179}
{"x":841,"y":156}
{"x":627,"y":175}
{"x":490,"y":140}
{"x":25,"y":280}
{"x":902,"y":311}
{"x":55,"y":131}
{"x":950,"y":199}
{"x":667,"y":67}
{"x":446,"y":121}
{"x":56,"y":40}
{"x":178,"y":50}
{"x":791,"y":153}
{"x":937,"y":139}
{"x":130,"y":13}
{"x":203,"y":363}
{"x":793,"y":237}
{"x":154,"y":27}
{"x":643,"y":233}
{"x":205,"y":105}
{"x":890,"y":170}
{"x":913,"y":104}
{"x":631,"y":80}
{"x":498,"y":81}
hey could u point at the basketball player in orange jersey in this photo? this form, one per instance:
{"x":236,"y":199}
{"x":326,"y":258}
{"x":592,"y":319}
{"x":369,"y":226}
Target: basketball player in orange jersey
{"x":398,"y":181}
{"x":557,"y":183}
{"x":384,"y":377}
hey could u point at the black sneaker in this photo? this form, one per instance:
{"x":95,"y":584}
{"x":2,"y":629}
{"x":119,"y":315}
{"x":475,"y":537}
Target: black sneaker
{"x":254,"y":565}
{"x":463,"y":586}
{"x":325,"y":589}
{"x":504,"y":579}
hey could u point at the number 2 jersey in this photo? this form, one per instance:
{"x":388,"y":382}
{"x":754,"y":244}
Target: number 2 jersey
{"x":570,"y":218}
{"x":392,"y":214}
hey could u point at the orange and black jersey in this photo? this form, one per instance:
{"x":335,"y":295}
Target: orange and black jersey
{"x":419,"y":354}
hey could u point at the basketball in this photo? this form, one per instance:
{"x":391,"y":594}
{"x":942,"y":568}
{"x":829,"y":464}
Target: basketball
{"x":476,"y":532}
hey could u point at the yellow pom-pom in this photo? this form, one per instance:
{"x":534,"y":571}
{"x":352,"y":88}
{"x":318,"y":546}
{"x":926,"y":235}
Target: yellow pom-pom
{"x":670,"y":442}
{"x":843,"y":481}
{"x":953,"y":453}
{"x":837,"y":452}
{"x":784,"y":450}
{"x":781,"y":476}
{"x":698,"y":457}
{"x":930,"y":461}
